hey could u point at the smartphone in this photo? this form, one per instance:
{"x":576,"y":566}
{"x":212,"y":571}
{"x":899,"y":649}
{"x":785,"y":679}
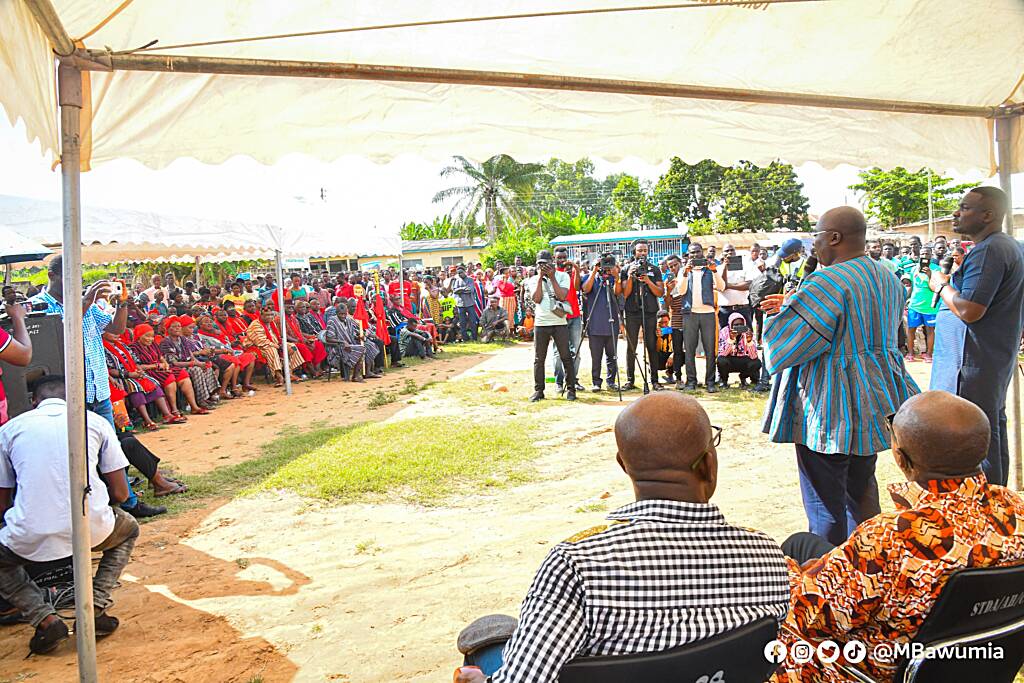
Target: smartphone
{"x":118,"y":290}
{"x":698,"y":263}
{"x":924,"y":264}
{"x":735,"y":263}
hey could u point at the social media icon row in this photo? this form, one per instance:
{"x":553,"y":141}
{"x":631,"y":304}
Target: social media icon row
{"x":828,"y":651}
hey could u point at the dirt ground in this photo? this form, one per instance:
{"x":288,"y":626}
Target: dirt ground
{"x":273,"y":588}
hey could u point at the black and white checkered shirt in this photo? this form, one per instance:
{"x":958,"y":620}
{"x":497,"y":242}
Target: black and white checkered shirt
{"x":668,"y":574}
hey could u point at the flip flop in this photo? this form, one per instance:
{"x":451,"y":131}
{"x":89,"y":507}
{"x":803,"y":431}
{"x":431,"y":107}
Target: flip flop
{"x":175,"y":420}
{"x":180,"y":488}
{"x":201,"y":411}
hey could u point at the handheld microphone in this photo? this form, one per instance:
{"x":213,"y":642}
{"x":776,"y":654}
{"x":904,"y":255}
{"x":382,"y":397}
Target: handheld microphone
{"x":810,"y":265}
{"x":945,"y":267}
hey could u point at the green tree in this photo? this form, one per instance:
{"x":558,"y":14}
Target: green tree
{"x":688,"y":192}
{"x":499,"y":187}
{"x":552,"y":224}
{"x":442,"y":227}
{"x":900,"y":196}
{"x":762,"y":198}
{"x":514,"y":240}
{"x":572,"y":188}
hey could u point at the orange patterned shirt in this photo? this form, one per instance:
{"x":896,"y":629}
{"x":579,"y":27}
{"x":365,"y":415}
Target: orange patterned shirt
{"x":880,"y":584}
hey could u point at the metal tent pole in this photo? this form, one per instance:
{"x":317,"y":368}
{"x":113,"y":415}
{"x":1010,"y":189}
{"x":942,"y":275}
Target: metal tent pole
{"x":284,"y":333}
{"x":401,"y":273}
{"x":1004,"y":127}
{"x":70,"y":92}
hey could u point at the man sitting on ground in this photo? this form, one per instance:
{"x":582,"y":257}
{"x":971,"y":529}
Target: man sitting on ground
{"x":34,"y":457}
{"x":493,"y":321}
{"x":414,"y":341}
{"x":879,"y":585}
{"x":668,"y":571}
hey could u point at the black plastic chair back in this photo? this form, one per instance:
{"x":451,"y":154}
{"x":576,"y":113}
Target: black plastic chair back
{"x":733,"y":657}
{"x":979,"y":614}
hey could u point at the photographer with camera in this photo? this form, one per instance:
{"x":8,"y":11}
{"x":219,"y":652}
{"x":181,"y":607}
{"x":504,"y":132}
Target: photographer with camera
{"x":641,"y":287}
{"x":601,"y":289}
{"x":739,"y":273}
{"x":549,"y":289}
{"x":574,"y":320}
{"x":922,"y":309}
{"x":737,"y":352}
{"x":699,"y":285}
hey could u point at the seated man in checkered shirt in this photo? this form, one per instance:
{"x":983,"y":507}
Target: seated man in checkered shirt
{"x":666,"y":572}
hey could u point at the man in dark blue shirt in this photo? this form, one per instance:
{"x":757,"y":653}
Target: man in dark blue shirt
{"x":979,"y":323}
{"x":601,"y":288}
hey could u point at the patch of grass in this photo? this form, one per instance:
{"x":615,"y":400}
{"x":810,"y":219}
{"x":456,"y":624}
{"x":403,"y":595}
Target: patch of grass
{"x":381,"y":398}
{"x":367,"y":547}
{"x":229,"y":480}
{"x":597,"y":506}
{"x":317,"y":628}
{"x":410,"y":387}
{"x":417,"y":460}
{"x":255,"y":679}
{"x":270,"y":413}
{"x":242,"y":562}
{"x":470,"y":348}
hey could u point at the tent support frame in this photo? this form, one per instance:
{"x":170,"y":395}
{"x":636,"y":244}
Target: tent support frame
{"x":70,"y":101}
{"x":1014,"y":429}
{"x":286,"y":369}
{"x":101,"y":60}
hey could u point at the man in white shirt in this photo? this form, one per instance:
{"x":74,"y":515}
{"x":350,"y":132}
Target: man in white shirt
{"x":34,"y":456}
{"x":550,"y":288}
{"x":699,"y":286}
{"x":739,"y":272}
{"x":158,"y":286}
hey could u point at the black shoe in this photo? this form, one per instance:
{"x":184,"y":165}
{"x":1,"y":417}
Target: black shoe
{"x":680,"y":386}
{"x":398,"y":365}
{"x":712,"y":388}
{"x":612,"y":386}
{"x":629,"y":386}
{"x":106,"y":624}
{"x":46,"y":638}
{"x":537,"y":396}
{"x":141,"y":510}
{"x":656,"y":387}
{"x":580,"y":387}
{"x":691,"y":385}
{"x":762,"y":387}
{"x":723,"y":383}
{"x":571,"y":394}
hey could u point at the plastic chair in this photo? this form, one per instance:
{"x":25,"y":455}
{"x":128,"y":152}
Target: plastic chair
{"x":733,"y":657}
{"x":977,"y":608}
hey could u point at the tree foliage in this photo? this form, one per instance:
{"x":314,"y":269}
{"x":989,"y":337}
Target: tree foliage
{"x":900,"y":196}
{"x":763,"y":198}
{"x":571,"y":188}
{"x":514,"y":240}
{"x":552,"y":224}
{"x":498,"y":188}
{"x":688,"y":192}
{"x":442,"y":227}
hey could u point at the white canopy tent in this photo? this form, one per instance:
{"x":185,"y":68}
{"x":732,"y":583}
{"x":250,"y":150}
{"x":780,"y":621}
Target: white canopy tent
{"x":865,"y":82}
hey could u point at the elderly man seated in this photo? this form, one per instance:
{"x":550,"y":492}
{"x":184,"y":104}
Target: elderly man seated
{"x":880,"y":584}
{"x":37,"y":522}
{"x":668,"y":570}
{"x":494,"y":321}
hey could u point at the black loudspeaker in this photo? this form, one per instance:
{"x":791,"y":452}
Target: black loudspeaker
{"x":47,"y":335}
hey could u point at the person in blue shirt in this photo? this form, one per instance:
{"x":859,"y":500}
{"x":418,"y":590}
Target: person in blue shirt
{"x":267,"y":290}
{"x":980,"y":319}
{"x":601,"y":288}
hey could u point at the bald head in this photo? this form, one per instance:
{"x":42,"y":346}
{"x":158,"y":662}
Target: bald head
{"x":842,"y":233}
{"x":943,"y":435}
{"x":659,"y":437}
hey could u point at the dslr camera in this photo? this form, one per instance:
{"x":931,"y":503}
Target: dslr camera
{"x":607,"y":262}
{"x":641,"y":267}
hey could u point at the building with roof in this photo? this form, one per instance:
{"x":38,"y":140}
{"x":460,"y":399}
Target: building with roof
{"x":418,"y":254}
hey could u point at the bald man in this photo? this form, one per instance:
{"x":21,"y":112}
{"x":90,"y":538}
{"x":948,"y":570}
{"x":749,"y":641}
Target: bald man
{"x":879,"y":585}
{"x":833,"y":349}
{"x":667,"y":571}
{"x":979,"y":322}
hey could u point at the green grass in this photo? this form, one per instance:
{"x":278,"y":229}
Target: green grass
{"x":230,"y":480}
{"x":418,"y":460}
{"x":475,"y":391}
{"x":381,"y":398}
{"x":599,"y":506}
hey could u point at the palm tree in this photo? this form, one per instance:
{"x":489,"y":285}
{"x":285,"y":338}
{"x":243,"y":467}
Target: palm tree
{"x":498,"y":186}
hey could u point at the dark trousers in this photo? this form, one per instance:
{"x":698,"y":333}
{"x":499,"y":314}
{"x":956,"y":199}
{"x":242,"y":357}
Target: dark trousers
{"x":468,"y":320}
{"x":650,"y":325}
{"x":395,"y":349}
{"x":702,"y":326}
{"x":678,"y":352}
{"x":759,"y":319}
{"x":748,"y":368}
{"x":603,"y":344}
{"x":839,"y":492}
{"x":378,"y":360}
{"x":138,"y":455}
{"x":542,"y":334}
{"x":725,"y":311}
{"x":804,"y":546}
{"x":989,"y":394}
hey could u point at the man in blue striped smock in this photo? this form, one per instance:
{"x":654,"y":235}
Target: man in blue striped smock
{"x":838,"y":374}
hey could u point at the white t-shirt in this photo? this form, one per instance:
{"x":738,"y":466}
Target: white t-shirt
{"x":737,"y":297}
{"x":34,"y":455}
{"x":542,"y":314}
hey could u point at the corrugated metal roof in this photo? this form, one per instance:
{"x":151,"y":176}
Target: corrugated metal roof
{"x":413,"y":246}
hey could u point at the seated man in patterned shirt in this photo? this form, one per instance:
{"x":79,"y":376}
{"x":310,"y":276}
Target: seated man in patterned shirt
{"x":881,"y":583}
{"x":668,"y":571}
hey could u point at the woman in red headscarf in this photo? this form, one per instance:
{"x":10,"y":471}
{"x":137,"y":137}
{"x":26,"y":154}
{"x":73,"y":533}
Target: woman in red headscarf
{"x":228,"y":356}
{"x":311,"y":348}
{"x":140,"y":389}
{"x":173,"y":380}
{"x":265,"y":336}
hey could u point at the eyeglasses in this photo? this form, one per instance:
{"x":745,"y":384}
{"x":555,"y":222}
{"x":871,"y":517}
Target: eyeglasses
{"x":716,"y":438}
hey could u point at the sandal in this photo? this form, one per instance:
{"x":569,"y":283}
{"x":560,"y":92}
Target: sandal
{"x":150,"y":426}
{"x":180,"y":488}
{"x":201,"y":411}
{"x":175,"y":420}
{"x":249,"y":387}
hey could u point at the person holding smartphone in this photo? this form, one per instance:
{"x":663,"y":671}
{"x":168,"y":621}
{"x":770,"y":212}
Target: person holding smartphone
{"x":699,"y":286}
{"x":549,"y":290}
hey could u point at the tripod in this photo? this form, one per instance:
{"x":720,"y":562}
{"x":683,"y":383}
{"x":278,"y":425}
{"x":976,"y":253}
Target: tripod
{"x":632,"y":347}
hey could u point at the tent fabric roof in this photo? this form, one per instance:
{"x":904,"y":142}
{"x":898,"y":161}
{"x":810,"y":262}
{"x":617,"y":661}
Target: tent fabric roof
{"x":122,"y":235}
{"x":908,"y":50}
